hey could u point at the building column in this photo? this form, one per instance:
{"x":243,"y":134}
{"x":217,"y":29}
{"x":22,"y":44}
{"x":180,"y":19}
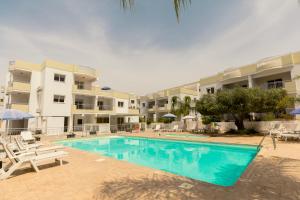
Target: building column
{"x":250,"y":82}
{"x":70,"y":128}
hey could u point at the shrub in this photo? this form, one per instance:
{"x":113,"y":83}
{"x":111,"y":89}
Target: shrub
{"x":268,"y":117}
{"x":209,"y":119}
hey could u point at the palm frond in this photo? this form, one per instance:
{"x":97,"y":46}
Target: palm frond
{"x":178,"y":5}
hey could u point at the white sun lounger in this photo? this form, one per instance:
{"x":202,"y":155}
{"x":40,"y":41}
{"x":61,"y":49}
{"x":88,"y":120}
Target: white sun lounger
{"x":33,"y":158}
{"x":157,"y":128}
{"x":23,"y":147}
{"x":27,"y":136}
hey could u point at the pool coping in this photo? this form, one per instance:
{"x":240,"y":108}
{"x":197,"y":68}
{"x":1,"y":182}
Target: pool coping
{"x":258,"y":148}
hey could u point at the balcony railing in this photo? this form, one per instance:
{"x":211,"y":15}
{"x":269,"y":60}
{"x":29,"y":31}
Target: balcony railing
{"x":19,"y":106}
{"x":85,"y":106}
{"x":18,"y":86}
{"x":86,"y":71}
{"x":105,"y":107}
{"x":133,"y":111}
{"x":289,"y":86}
{"x":85,"y":90}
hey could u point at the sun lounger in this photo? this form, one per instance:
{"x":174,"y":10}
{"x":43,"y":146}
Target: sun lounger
{"x":23,"y":147}
{"x":157,"y":128}
{"x":286,"y":136}
{"x":27,"y":137}
{"x":29,"y":157}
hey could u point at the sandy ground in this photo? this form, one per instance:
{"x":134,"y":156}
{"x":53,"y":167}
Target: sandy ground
{"x":274,"y":174}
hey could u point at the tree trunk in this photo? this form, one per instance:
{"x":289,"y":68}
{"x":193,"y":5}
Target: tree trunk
{"x":239,"y":122}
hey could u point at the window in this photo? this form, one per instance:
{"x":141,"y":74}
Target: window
{"x":210,"y":90}
{"x":59,"y":77}
{"x":59,"y":99}
{"x":132,"y":101}
{"x":120,"y":104}
{"x":79,"y":103}
{"x":100,"y":105}
{"x":275,"y":83}
{"x":144,"y":105}
{"x":102,"y":120}
{"x":80,"y":85}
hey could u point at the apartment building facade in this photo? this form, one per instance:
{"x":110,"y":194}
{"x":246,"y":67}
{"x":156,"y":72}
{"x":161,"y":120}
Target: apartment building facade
{"x":65,"y":97}
{"x":274,"y":72}
{"x":155,"y":105}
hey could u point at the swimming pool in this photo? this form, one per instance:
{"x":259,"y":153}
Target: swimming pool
{"x":215,"y":163}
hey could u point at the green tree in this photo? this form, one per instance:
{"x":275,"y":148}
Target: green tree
{"x":239,"y":102}
{"x":178,"y":5}
{"x":179,"y":107}
{"x":186,"y":106}
{"x":175,"y":106}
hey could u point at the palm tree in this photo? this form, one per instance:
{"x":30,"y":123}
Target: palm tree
{"x":174,"y":104}
{"x":178,"y":5}
{"x":186,"y":106}
{"x":179,"y":107}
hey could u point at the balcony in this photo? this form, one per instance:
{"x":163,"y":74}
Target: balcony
{"x":21,"y":107}
{"x":229,"y":74}
{"x":87,"y":71}
{"x":290,"y":87}
{"x":85,"y":91}
{"x":272,"y":63}
{"x":133,"y":111}
{"x":23,"y":66}
{"x":164,"y":108}
{"x":18,"y":87}
{"x":105,"y":108}
{"x":83,"y":109}
{"x":162,"y":94}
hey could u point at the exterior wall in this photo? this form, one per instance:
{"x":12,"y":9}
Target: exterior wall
{"x":52,"y":88}
{"x":122,"y":110}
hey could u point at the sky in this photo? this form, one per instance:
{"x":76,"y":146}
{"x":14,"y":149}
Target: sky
{"x":144,"y":49}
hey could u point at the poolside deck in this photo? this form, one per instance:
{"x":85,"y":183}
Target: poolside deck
{"x":274,"y":174}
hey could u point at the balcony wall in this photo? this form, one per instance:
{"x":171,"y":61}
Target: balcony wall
{"x":21,"y":107}
{"x":133,"y":111}
{"x":19,"y":87}
{"x":87,"y":71}
{"x":231,"y":74}
{"x":290,"y":87}
{"x":91,"y":92}
{"x":24,"y":66}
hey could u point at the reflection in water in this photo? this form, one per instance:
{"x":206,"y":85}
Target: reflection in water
{"x":217,"y":164}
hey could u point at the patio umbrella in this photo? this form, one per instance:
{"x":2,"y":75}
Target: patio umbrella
{"x":11,"y":114}
{"x":169,"y":115}
{"x":189,"y":117}
{"x":295,"y":112}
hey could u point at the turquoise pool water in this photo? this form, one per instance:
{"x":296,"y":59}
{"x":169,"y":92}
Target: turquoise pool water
{"x":214,"y":163}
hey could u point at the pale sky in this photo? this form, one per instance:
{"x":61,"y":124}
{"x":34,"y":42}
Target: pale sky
{"x":145,"y":50}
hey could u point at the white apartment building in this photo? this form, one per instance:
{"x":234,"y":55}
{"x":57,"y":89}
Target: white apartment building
{"x":65,"y":97}
{"x":157,"y":104}
{"x":274,"y":72}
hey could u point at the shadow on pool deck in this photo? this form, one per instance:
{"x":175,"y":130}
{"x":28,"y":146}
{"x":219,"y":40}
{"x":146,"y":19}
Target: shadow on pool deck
{"x":268,"y":178}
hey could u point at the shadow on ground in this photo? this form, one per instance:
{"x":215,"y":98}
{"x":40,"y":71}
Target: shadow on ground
{"x":266,"y":178}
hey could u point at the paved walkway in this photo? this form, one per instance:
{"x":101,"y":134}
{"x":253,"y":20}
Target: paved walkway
{"x":274,"y":174}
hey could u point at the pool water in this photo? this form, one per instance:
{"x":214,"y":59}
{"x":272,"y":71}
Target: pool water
{"x":215,"y":163}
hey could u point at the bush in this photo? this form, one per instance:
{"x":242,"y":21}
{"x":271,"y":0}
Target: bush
{"x":209,"y":119}
{"x":165,"y":120}
{"x":268,"y":117}
{"x":149,"y":121}
{"x":286,"y":116}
